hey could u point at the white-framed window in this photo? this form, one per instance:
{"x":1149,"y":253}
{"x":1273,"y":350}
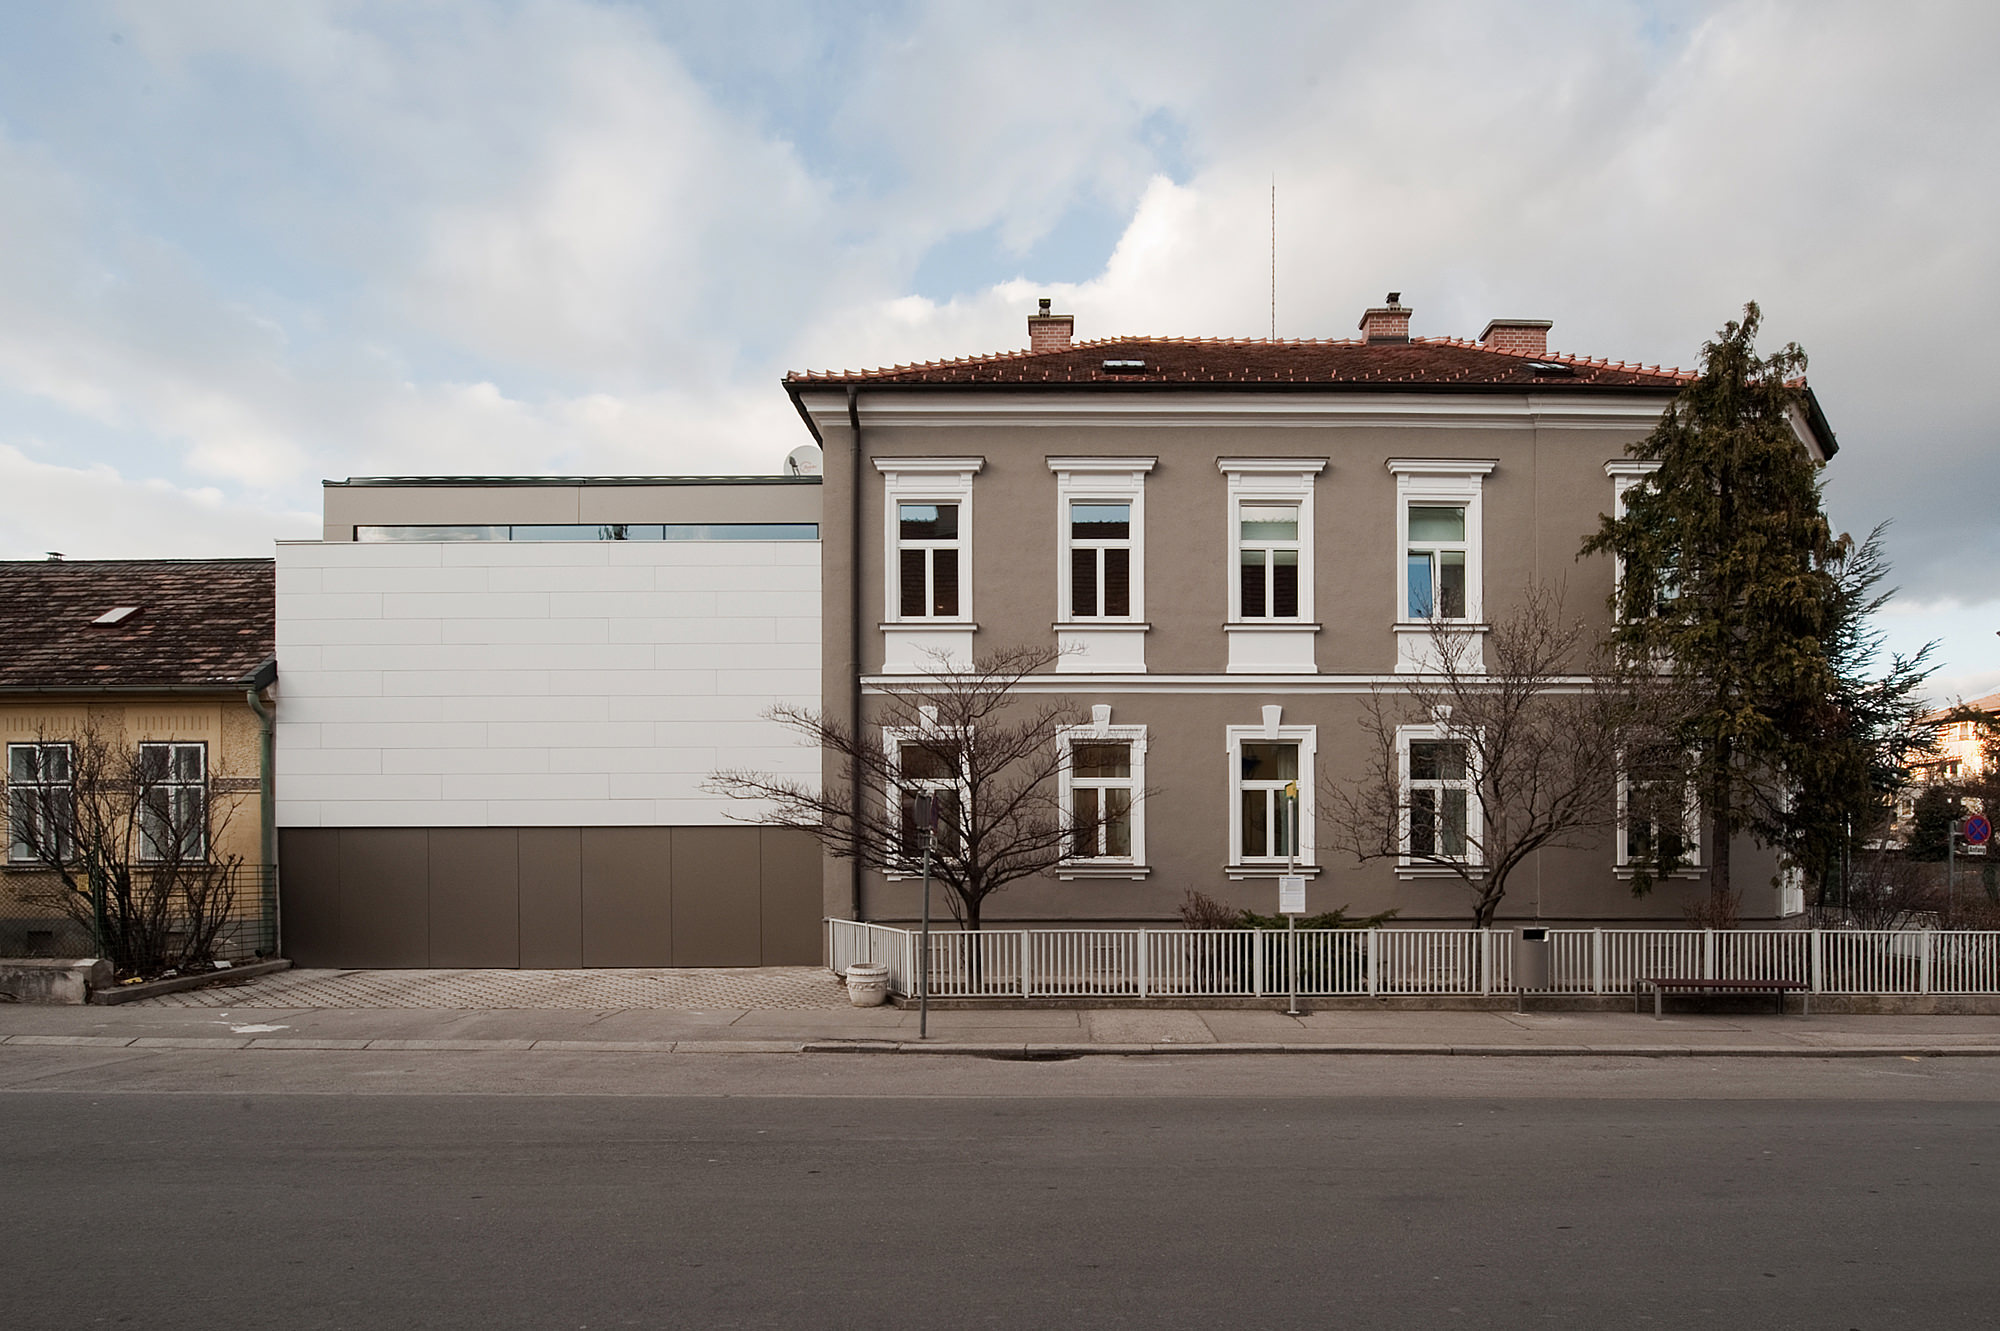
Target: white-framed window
{"x":928,"y":766}
{"x":1271,"y":538}
{"x":1270,"y":798}
{"x":1101,"y":539}
{"x":1659,"y":816}
{"x":173,"y":802}
{"x":1439,"y":539}
{"x":929,"y":552}
{"x":1625,"y":473}
{"x":1268,"y":546}
{"x":1103,"y":784}
{"x":1441,"y":819}
{"x":927,"y":538}
{"x":41,"y":800}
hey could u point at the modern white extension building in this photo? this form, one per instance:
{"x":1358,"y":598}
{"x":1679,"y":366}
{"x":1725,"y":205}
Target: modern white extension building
{"x":501,"y":698}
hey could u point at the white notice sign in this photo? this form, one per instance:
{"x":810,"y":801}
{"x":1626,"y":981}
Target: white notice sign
{"x":1292,"y":895}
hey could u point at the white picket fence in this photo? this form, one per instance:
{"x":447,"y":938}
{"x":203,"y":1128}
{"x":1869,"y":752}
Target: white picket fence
{"x":1257,"y":963}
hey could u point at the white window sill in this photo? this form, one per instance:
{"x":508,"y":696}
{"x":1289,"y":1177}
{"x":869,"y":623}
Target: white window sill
{"x":1270,"y":626}
{"x":1082,"y":870}
{"x":1436,"y":871}
{"x":955,"y":625}
{"x":1241,"y":872}
{"x":1105,"y":625}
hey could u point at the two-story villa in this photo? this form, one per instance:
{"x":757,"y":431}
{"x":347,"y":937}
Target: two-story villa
{"x":1232,"y":542}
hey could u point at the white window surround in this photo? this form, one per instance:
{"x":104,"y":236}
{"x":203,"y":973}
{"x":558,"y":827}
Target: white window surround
{"x":1691,"y":866}
{"x":1134,"y":865}
{"x":1307,"y":738}
{"x":1102,"y":643}
{"x":34,"y":781}
{"x":1624,"y":473}
{"x":915,"y":645}
{"x":893,"y":741}
{"x":183,"y":788}
{"x":1262,"y":645}
{"x":1443,"y":481}
{"x":1475,"y":824}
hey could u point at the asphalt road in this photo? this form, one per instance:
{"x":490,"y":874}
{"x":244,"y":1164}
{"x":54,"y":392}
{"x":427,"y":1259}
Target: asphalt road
{"x":184,"y":1189}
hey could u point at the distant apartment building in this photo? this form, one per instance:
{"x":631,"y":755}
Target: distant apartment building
{"x":501,"y":698}
{"x":1960,"y":734}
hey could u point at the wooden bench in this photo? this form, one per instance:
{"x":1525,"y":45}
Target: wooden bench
{"x":1662,"y":985}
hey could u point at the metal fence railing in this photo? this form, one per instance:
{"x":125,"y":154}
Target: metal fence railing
{"x":1255,"y":963}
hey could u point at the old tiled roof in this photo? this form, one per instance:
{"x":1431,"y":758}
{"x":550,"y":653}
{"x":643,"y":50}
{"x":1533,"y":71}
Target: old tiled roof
{"x":199,"y":623}
{"x":1424,"y":362}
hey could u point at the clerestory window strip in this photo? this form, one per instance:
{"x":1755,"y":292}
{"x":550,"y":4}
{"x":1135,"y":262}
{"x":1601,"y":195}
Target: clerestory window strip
{"x":585,"y":531}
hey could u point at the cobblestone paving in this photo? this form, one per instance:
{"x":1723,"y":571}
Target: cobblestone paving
{"x":769,"y":988}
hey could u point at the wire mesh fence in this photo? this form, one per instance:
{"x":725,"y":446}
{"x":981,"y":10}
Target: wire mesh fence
{"x":41,"y":915}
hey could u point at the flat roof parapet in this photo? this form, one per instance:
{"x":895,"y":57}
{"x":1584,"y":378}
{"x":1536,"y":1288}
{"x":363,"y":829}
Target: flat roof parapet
{"x":496,"y":481}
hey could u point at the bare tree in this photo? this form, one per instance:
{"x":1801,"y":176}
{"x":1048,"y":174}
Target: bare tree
{"x":1485,"y":758}
{"x":990,"y":757}
{"x":126,"y":838}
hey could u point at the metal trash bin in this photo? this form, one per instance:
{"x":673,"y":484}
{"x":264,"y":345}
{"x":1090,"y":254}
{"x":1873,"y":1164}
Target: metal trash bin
{"x":1531,"y":959}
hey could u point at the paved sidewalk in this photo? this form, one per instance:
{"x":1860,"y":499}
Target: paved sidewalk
{"x":805,"y":1010}
{"x":772,"y":988}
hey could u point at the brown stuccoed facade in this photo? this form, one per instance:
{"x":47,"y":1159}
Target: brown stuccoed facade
{"x":1523,"y":448}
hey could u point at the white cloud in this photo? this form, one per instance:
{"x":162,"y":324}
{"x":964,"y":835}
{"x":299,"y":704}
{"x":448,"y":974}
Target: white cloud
{"x":92,"y":512}
{"x":559,"y":237}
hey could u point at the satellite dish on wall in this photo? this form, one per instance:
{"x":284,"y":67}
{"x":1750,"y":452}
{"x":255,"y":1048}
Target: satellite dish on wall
{"x":805,"y":460}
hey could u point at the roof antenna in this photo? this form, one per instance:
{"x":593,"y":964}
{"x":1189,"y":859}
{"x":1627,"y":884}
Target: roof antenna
{"x":1274,"y":258}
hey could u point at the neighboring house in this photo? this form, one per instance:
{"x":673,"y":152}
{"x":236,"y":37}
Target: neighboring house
{"x":1233,"y":542}
{"x":502,"y":698}
{"x":1961,"y":740}
{"x":170,"y":662}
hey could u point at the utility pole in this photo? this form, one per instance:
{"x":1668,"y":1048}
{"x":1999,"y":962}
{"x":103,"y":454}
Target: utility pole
{"x":927,"y":820}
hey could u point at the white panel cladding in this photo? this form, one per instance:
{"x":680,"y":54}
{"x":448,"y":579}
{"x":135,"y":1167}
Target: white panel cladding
{"x":538,"y":683}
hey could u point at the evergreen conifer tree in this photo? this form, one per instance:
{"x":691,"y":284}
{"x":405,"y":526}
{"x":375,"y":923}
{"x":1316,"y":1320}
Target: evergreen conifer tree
{"x":1725,"y":584}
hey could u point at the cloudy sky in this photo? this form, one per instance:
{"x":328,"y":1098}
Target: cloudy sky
{"x":244,"y":247}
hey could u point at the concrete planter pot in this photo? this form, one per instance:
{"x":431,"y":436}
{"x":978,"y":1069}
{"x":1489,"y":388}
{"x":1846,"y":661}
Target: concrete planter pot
{"x":867,"y":985}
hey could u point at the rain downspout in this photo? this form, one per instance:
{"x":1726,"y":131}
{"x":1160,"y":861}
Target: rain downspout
{"x":854,"y":634}
{"x":264,"y":677}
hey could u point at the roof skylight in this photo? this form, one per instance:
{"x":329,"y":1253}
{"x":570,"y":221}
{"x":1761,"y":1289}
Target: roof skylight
{"x":117,"y":614}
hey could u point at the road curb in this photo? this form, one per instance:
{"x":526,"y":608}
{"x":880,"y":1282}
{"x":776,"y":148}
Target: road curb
{"x":1014,"y":1050}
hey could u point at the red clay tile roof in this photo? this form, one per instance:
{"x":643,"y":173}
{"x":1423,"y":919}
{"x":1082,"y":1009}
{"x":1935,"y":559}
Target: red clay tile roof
{"x":200,"y":623}
{"x":1421,"y":363}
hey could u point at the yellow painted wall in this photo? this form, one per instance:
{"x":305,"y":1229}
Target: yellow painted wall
{"x":226,"y":726}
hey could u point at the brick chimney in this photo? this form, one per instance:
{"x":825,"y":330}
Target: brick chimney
{"x":1388,"y":323}
{"x":1517,"y":337}
{"x":1050,"y":332}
